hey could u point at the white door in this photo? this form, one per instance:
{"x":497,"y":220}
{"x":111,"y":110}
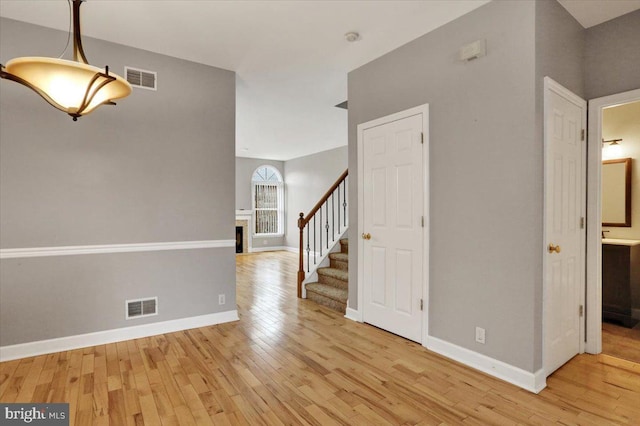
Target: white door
{"x":392,"y":225}
{"x":565,"y":118}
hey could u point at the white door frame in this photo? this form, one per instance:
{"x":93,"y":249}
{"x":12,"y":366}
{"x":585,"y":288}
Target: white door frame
{"x":549,"y":86}
{"x":424,"y":110}
{"x":593,"y":343}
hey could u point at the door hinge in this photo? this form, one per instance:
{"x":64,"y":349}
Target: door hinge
{"x":423,"y":221}
{"x":582,"y":223}
{"x":422,"y":138}
{"x":421,"y":305}
{"x":582,"y":135}
{"x":581,"y":311}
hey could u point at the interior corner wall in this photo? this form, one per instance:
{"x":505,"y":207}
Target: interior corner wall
{"x":307,"y":179}
{"x":155,"y":168}
{"x":244,"y":171}
{"x":560,"y":44}
{"x":486,"y":176}
{"x":612,"y":56}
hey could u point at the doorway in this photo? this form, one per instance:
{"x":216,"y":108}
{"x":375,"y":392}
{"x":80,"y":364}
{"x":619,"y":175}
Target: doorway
{"x":612,"y":304}
{"x":393,"y":222}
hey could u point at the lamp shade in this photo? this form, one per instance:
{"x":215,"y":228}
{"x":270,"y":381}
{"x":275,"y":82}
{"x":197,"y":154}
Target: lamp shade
{"x":70,"y":86}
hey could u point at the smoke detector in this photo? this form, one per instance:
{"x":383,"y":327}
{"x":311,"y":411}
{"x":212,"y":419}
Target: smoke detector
{"x":352,"y":36}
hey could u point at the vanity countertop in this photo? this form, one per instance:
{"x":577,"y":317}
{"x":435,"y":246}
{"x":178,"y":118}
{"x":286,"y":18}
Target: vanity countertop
{"x":619,"y":242}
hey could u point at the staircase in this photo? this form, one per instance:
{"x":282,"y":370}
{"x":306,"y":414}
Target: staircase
{"x":331,"y":290}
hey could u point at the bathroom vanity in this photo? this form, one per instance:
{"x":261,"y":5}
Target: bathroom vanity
{"x":620,"y":279}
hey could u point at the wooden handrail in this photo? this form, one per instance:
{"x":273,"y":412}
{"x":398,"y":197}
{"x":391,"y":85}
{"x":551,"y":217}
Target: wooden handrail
{"x":324,"y":198}
{"x":303,"y":221}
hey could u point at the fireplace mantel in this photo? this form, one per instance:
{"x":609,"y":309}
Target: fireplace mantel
{"x":244,"y":215}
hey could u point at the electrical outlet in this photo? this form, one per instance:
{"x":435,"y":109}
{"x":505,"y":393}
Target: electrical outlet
{"x":480,"y":335}
{"x":221,"y":299}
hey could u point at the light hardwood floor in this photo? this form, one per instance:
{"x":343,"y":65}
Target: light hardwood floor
{"x":621,"y":342}
{"x":289,"y":361}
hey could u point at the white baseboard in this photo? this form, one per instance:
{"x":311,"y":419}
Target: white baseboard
{"x":24,"y":350}
{"x":352,"y":314}
{"x":533,"y":382}
{"x":269,"y":248}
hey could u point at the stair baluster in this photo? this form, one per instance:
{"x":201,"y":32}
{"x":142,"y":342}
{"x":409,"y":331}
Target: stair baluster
{"x":331,"y":232}
{"x":326,"y":226}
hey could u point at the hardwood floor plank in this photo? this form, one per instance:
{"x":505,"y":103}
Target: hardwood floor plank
{"x":291,"y":362}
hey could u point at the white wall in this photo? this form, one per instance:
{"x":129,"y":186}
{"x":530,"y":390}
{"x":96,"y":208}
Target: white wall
{"x":623,"y":122}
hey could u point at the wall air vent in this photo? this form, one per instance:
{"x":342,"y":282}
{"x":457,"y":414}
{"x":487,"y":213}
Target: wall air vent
{"x":139,"y":308}
{"x":141,"y":78}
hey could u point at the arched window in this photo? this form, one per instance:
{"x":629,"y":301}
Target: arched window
{"x":268,"y":201}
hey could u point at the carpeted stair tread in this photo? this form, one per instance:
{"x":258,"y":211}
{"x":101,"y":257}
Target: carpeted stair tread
{"x":339,"y":261}
{"x":342,"y":257}
{"x":327,"y":302}
{"x":334,"y":273}
{"x":332,"y":289}
{"x":333,"y":293}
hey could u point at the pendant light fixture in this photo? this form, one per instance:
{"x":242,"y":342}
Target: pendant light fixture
{"x":74,"y":87}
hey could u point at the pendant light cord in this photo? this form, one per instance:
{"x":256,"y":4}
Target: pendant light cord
{"x":68,"y":32}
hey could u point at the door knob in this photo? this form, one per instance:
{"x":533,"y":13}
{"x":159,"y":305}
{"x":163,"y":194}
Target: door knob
{"x":366,"y":236}
{"x":553,"y":248}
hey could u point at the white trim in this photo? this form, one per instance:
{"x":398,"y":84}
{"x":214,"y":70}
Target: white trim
{"x":112,"y":248}
{"x":23,"y":350}
{"x":322,"y":259}
{"x":270,"y":248}
{"x":353,"y":314}
{"x":280,"y":209}
{"x":533,"y":382}
{"x":594,"y":216}
{"x":552,"y":86}
{"x":424,"y":111}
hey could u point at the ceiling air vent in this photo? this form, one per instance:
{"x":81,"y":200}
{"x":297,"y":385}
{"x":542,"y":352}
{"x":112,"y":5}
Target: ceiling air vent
{"x":142,"y":307}
{"x":141,"y":78}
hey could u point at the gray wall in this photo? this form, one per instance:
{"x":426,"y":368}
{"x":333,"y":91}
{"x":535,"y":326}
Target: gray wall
{"x":612,"y":56}
{"x":486,"y":156}
{"x":154,"y":168}
{"x":485,"y":171}
{"x":560,"y":45}
{"x":244,"y":170}
{"x":307,"y":179}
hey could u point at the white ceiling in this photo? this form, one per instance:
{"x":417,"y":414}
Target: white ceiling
{"x":290,"y":57}
{"x":594,"y":12}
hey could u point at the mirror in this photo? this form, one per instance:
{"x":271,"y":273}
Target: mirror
{"x":616,"y":192}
